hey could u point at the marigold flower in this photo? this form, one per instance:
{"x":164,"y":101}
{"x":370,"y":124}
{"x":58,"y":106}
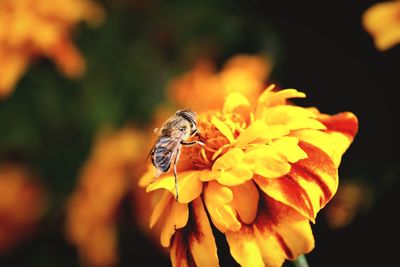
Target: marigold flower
{"x":41,"y":28}
{"x":382,"y":21}
{"x":265,"y":171}
{"x":245,"y":74}
{"x":104,"y":181}
{"x":22,"y":204}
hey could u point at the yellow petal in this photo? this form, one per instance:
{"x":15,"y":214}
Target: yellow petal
{"x":223,"y":128}
{"x":245,"y":201}
{"x":230,"y":169}
{"x":233,"y":101}
{"x":218,"y":201}
{"x":288,"y":148}
{"x":195,"y":246}
{"x":293,"y":117}
{"x":267,"y":162}
{"x":259,"y":132}
{"x":177,"y":217}
{"x":189,"y":185}
{"x":271,"y":98}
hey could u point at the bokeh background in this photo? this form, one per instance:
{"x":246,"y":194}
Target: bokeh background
{"x":49,"y":124}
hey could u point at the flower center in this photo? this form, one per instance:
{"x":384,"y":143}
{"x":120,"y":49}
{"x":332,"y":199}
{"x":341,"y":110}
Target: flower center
{"x":217,"y":131}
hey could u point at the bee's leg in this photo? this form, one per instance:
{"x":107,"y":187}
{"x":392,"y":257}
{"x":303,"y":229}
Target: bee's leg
{"x":191,"y":143}
{"x":178,"y":153}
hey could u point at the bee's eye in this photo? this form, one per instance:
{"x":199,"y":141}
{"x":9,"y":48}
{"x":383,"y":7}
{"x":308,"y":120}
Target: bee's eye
{"x":182,"y":129}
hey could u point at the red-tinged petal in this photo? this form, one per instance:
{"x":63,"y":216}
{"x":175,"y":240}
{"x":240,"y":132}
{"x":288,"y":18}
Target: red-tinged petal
{"x":278,"y":232}
{"x":335,"y":140}
{"x":195,"y":244}
{"x":177,"y":217}
{"x":345,"y":123}
{"x":245,"y":201}
{"x":291,"y":229}
{"x":189,"y":185}
{"x":218,"y":200}
{"x":287,"y":191}
{"x":310,"y":184}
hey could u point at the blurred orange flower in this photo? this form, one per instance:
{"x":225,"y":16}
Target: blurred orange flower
{"x":245,"y":74}
{"x":36,"y":28}
{"x":104,"y":181}
{"x":22,"y":204}
{"x":382,"y":21}
{"x":265,"y":171}
{"x":352,"y":198}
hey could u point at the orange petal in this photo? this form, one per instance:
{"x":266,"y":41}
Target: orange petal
{"x":278,"y":232}
{"x":382,"y":22}
{"x":195,"y":245}
{"x":68,"y":59}
{"x":189,"y":185}
{"x":245,"y":201}
{"x":177,"y":217}
{"x":160,"y":207}
{"x":13,"y":66}
{"x":218,"y":200}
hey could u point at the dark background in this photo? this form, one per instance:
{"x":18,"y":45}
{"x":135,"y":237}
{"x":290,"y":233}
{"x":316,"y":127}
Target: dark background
{"x":318,"y":48}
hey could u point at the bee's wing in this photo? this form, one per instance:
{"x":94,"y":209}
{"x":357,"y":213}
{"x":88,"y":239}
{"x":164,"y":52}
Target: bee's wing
{"x":163,"y":153}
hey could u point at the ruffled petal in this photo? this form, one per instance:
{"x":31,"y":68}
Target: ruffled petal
{"x":223,"y":128}
{"x":177,"y":217}
{"x":218,"y":200}
{"x":288,"y":148}
{"x":195,"y":244}
{"x":245,"y":201}
{"x":335,"y":140}
{"x":293,"y":117}
{"x":310,"y":184}
{"x":233,"y":101}
{"x":267,"y":162}
{"x":230,"y":169}
{"x":259,"y":132}
{"x":278,"y":232}
{"x":189,"y":185}
{"x":271,"y":98}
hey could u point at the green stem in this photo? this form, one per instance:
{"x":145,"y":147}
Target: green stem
{"x":301,"y":261}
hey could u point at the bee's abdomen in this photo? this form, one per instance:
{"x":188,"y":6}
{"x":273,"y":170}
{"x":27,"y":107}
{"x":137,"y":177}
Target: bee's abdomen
{"x":162,"y":154}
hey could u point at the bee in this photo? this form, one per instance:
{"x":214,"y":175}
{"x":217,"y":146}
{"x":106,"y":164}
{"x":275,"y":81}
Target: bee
{"x":172,"y":136}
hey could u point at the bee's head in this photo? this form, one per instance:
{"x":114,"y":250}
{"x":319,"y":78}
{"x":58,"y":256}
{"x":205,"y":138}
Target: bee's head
{"x":189,"y":115}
